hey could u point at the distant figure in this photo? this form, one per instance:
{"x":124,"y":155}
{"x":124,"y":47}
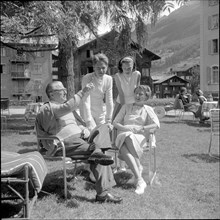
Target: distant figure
{"x":201,"y":99}
{"x":184,"y":97}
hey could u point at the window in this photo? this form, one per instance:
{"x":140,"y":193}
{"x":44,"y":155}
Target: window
{"x":145,"y":72}
{"x":3,"y":69}
{"x":90,"y":69}
{"x":17,"y":69}
{"x":213,"y":2}
{"x":213,"y":46}
{"x":213,"y":75}
{"x":89,"y":53}
{"x":3,"y":52}
{"x":213,"y":22}
{"x":37,"y":69}
{"x":38,"y":54}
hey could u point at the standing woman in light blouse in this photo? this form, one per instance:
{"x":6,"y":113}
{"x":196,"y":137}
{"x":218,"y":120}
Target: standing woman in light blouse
{"x":127,"y":79}
{"x":93,"y":109}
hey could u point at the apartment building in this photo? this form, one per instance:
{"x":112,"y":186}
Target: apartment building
{"x":209,"y":47}
{"x":24,"y":75}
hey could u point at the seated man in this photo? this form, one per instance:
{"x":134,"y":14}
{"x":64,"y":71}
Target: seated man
{"x":56,"y":118}
{"x":188,"y":106}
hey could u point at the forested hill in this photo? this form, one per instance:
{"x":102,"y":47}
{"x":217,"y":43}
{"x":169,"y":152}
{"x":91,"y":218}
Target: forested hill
{"x":175,"y":38}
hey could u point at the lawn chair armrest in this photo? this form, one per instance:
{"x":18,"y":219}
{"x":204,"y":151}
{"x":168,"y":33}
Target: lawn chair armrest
{"x":53,"y":137}
{"x":153,"y":130}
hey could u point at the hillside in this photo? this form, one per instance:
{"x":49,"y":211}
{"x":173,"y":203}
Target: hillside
{"x":175,"y":38}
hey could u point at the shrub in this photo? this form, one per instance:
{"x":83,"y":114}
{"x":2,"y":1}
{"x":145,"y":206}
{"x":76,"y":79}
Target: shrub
{"x":160,"y":102}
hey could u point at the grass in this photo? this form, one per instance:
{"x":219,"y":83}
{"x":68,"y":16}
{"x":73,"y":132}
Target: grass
{"x":189,"y":180}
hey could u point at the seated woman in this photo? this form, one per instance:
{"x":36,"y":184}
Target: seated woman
{"x":201,"y":99}
{"x":134,"y":122}
{"x":188,"y":106}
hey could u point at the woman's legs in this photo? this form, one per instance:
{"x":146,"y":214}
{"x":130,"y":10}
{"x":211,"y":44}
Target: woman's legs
{"x":130,"y":160}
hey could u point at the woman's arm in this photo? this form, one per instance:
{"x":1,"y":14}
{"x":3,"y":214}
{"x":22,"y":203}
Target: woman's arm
{"x":119,"y":119}
{"x":138,"y":78}
{"x":120,"y":91}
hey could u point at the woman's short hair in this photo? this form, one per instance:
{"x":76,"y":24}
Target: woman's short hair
{"x":100,"y":57}
{"x":126,"y":59}
{"x":146,"y":89}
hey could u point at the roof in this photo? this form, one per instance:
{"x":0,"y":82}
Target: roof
{"x":164,"y":78}
{"x":185,"y":65}
{"x":149,"y":53}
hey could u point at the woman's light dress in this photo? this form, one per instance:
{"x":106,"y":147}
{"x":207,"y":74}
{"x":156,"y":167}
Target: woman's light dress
{"x":135,"y":116}
{"x":128,"y":84}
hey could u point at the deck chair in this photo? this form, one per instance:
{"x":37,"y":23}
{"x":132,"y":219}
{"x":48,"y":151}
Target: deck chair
{"x":152,"y":167}
{"x":28,"y":170}
{"x":214,"y":117}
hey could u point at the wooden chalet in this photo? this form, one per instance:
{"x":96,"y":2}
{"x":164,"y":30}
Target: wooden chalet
{"x":168,"y":86}
{"x":83,"y":58}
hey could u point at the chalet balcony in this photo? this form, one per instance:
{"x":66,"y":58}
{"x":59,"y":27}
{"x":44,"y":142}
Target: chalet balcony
{"x":20,"y":75}
{"x":176,"y":84}
{"x":167,"y":92}
{"x":20,"y":92}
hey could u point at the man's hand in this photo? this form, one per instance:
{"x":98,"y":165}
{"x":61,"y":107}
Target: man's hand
{"x":88,"y":88}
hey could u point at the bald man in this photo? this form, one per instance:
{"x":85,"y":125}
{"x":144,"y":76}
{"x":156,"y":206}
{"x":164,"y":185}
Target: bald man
{"x":56,"y":118}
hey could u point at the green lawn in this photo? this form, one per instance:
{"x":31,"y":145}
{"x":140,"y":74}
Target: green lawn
{"x":189,"y":179}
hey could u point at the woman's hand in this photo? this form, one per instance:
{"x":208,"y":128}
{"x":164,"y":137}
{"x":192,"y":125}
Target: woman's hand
{"x":110,"y":126}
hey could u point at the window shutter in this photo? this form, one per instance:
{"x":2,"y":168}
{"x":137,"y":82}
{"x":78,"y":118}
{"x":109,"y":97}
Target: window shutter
{"x":208,"y":75}
{"x":210,"y":47}
{"x":209,"y":22}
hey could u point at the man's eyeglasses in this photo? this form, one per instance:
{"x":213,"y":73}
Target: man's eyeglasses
{"x":58,"y":90}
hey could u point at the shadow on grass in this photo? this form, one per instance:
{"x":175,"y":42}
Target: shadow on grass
{"x":203,"y":157}
{"x":27,"y":150}
{"x":123,"y":180}
{"x":27,"y":144}
{"x":9,"y":209}
{"x":197,"y":124}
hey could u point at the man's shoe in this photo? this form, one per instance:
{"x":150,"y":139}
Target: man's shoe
{"x":100,"y":158}
{"x":108,"y":198}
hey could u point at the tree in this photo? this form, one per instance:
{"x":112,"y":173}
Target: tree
{"x":69,"y":21}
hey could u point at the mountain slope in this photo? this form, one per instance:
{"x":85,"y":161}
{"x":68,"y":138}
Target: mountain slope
{"x":176,"y":37}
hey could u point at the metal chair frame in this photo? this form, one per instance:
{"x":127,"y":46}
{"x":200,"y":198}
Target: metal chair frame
{"x":182,"y":111}
{"x":27,"y":204}
{"x":73,"y":160}
{"x":214,"y":117}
